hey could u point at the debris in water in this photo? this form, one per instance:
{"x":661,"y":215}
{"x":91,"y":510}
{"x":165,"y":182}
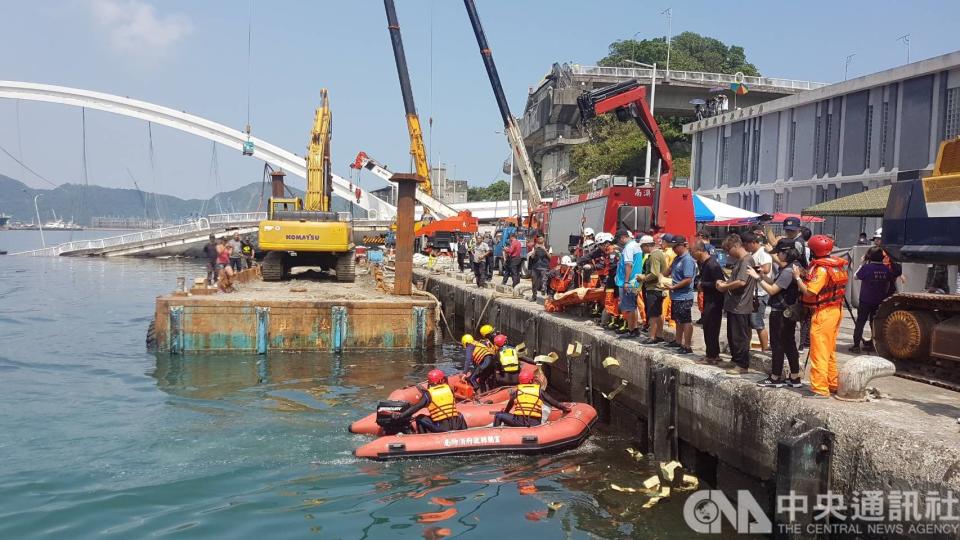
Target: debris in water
{"x":623,"y":489}
{"x":555,"y":505}
{"x":667,"y":470}
{"x":635,"y":454}
{"x":652,"y":502}
{"x":652,"y":482}
{"x":689,"y":482}
{"x":433,"y":517}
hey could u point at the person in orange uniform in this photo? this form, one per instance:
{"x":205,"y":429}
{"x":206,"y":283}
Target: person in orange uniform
{"x":525,"y":408}
{"x":441,"y":405}
{"x":822,"y":292}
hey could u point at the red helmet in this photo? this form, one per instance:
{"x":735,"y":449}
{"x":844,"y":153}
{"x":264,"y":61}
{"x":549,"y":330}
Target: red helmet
{"x":500,"y":340}
{"x":820,"y":245}
{"x":526,"y":377}
{"x":435,"y":376}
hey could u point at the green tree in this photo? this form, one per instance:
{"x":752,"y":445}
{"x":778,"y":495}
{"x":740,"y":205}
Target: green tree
{"x":689,"y":51}
{"x":497,"y":191}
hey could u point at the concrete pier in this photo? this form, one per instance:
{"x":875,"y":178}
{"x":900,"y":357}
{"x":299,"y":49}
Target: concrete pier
{"x":734,"y":434}
{"x":309,"y":313}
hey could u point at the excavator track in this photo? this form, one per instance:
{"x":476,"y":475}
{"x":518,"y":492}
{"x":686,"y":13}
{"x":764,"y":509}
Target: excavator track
{"x":272,"y":268}
{"x":346,"y":267}
{"x":903,"y":327}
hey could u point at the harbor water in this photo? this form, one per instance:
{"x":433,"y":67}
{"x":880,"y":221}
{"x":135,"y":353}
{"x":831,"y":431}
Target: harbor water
{"x":102,"y":439}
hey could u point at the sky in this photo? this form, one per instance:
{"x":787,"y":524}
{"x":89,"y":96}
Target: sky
{"x":192,"y":56}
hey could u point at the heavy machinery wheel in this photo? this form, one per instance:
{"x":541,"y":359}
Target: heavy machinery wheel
{"x":273,"y":267}
{"x":152,"y":336}
{"x":346,"y":267}
{"x":906,"y":334}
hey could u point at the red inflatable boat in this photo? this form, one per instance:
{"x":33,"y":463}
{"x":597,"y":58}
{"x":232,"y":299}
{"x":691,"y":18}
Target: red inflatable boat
{"x":461,"y":389}
{"x":567,"y":431}
{"x":476,"y":415}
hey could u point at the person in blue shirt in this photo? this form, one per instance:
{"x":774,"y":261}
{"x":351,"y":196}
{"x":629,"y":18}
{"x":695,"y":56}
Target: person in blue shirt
{"x":682,"y":271}
{"x":626,"y":270}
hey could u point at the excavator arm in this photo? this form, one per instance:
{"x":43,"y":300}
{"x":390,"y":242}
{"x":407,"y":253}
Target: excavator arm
{"x":319,"y":174}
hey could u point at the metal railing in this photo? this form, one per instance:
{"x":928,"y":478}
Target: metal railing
{"x":699,"y":77}
{"x":202,"y":224}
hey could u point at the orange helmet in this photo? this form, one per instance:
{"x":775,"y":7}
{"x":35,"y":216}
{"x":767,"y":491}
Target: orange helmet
{"x":435,"y":376}
{"x":500,"y":340}
{"x":526,"y":377}
{"x":820,"y":245}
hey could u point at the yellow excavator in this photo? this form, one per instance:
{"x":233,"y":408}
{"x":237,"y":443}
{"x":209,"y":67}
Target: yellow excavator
{"x":301,"y":232}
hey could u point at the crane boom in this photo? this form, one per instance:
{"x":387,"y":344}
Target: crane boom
{"x":431,"y":204}
{"x":417,"y":149}
{"x":319,"y":174}
{"x":510,"y":127}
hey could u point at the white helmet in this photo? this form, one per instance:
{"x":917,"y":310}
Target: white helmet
{"x":566,"y":260}
{"x":587,"y":243}
{"x":645,"y":239}
{"x":879,"y":233}
{"x":604,"y":237}
{"x":588,"y":232}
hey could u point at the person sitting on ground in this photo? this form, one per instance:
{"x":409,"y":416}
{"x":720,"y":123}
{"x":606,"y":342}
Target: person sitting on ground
{"x":441,"y":405}
{"x":877,"y":280}
{"x":525,"y":407}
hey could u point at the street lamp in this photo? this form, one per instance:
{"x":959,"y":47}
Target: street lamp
{"x":653,"y":98}
{"x":846,"y":64}
{"x":39,"y":223}
{"x":669,"y":13}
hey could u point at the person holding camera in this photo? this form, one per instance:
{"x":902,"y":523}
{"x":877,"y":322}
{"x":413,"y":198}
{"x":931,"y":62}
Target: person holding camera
{"x":784,"y":314}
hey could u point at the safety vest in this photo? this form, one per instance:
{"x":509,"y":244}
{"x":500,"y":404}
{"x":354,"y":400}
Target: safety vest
{"x":528,"y":402}
{"x":481,"y":351}
{"x":509,"y":361}
{"x":831,"y":295}
{"x":442,"y":403}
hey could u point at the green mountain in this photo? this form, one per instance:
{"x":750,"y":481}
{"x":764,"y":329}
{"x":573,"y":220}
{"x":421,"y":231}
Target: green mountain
{"x":78,"y":203}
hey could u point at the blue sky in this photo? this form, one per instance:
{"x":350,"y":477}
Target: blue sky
{"x":192,"y":56}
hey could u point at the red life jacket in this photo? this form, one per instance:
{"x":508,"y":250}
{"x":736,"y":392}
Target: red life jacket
{"x":832,"y":293}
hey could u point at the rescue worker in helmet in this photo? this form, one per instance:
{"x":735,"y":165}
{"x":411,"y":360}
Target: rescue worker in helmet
{"x":441,"y":406}
{"x":822,"y":287}
{"x":482,"y":376}
{"x":469,"y":344}
{"x":525,"y":407}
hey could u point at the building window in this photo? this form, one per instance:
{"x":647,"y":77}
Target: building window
{"x":816,"y":147}
{"x":868,"y":138}
{"x":826,"y":145}
{"x":952,"y":120}
{"x":793,"y":147}
{"x":884,"y":122}
{"x":755,"y":152}
{"x":778,"y":202}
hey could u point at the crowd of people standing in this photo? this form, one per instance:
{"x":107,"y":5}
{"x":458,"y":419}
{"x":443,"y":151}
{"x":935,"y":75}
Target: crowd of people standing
{"x":771,"y":287}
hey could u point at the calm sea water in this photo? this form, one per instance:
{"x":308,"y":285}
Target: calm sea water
{"x":101,"y":439}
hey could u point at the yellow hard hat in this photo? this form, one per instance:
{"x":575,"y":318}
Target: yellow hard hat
{"x":466,"y":340}
{"x":486,"y":330}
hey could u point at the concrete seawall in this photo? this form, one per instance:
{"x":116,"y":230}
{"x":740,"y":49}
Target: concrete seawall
{"x":734,"y":434}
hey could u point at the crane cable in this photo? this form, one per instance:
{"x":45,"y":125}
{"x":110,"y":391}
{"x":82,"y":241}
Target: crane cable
{"x":249,"y":51}
{"x":153,"y":171}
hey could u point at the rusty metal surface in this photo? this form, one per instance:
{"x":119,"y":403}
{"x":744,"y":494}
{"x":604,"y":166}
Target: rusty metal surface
{"x":406,"y":193}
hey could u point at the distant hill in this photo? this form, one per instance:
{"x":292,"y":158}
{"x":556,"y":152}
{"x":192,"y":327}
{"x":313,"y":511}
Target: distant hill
{"x":79,"y":203}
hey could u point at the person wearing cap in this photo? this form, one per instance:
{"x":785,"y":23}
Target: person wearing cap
{"x":792,"y":230}
{"x":783,"y":293}
{"x":654,"y":263}
{"x":712,"y":311}
{"x":630,"y":257}
{"x":764,"y":267}
{"x":682,"y":271}
{"x":877,"y":282}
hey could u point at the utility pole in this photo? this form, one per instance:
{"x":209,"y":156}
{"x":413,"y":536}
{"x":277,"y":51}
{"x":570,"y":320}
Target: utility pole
{"x":846,"y":65}
{"x":906,"y":41}
{"x":669,"y":13}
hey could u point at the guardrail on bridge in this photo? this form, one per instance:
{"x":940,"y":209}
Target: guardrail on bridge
{"x":695,"y":77}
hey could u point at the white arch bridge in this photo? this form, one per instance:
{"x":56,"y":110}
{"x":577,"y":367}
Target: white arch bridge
{"x":195,"y":125}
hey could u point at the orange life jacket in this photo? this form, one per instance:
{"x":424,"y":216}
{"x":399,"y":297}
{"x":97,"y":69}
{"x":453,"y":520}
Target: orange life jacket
{"x":527,"y":402}
{"x":831,"y":295}
{"x":481,"y":351}
{"x":442,"y":404}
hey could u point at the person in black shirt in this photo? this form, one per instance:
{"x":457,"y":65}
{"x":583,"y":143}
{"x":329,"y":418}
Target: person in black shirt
{"x":210,"y":253}
{"x":539,"y":265}
{"x":783,"y":292}
{"x":712,"y":315}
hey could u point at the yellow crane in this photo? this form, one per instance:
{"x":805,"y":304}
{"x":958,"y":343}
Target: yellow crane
{"x":301,"y":232}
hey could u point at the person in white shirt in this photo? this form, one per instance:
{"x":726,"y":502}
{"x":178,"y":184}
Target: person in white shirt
{"x":764,"y":267}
